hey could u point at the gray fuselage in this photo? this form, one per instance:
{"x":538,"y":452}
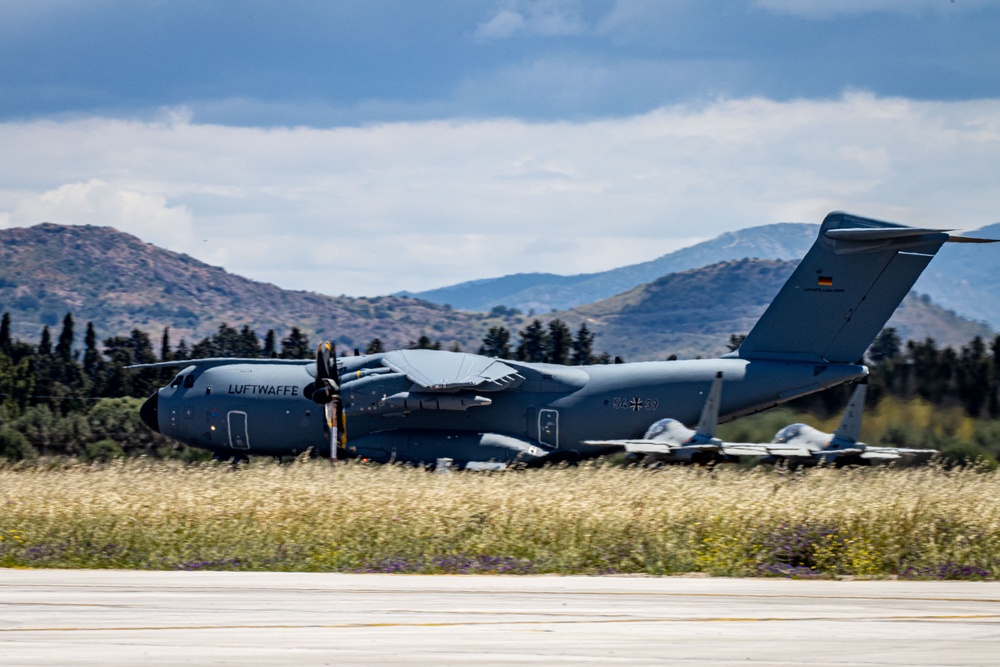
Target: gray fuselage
{"x":263,"y":407}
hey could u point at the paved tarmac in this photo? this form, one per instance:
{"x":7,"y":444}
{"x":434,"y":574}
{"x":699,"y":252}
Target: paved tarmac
{"x":107,"y":617}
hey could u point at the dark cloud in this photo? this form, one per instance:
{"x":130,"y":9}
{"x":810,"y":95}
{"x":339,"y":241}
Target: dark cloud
{"x":327,"y":63}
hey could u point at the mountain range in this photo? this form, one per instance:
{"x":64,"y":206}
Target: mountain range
{"x":693,"y":313}
{"x":543,"y":292}
{"x":119,"y":283}
{"x":963,"y":277}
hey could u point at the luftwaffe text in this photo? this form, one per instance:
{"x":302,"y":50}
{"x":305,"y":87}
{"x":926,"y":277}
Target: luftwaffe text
{"x":264,"y":389}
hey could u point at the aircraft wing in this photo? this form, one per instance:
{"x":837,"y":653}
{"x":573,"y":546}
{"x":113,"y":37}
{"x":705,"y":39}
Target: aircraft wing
{"x":892,"y":453}
{"x":888,"y":456}
{"x":755,"y":449}
{"x":744,"y":449}
{"x":650,"y":446}
{"x":437,"y":371}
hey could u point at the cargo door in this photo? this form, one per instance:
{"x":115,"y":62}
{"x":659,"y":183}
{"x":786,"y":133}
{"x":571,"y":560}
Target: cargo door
{"x":238,"y":436}
{"x":548,"y":427}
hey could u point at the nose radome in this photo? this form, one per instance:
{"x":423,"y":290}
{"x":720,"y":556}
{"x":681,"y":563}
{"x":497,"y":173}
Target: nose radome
{"x":149,"y":412}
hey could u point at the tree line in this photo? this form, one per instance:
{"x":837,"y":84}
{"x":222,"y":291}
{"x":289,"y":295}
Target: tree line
{"x":58,"y":398}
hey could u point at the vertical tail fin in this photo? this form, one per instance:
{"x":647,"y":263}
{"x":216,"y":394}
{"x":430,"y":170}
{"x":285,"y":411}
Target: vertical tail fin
{"x":710,"y":413}
{"x":843,"y":291}
{"x":850,"y":424}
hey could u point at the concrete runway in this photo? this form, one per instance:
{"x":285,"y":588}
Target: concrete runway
{"x":102,"y":617}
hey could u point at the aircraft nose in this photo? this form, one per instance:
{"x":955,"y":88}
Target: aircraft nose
{"x":149,"y":412}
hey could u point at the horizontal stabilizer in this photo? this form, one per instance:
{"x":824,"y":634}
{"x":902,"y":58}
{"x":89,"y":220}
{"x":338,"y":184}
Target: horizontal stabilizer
{"x":970,"y":239}
{"x":880,"y":233}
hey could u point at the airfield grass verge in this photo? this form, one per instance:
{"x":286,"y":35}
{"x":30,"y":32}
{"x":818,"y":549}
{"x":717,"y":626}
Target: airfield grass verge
{"x":592,"y":519}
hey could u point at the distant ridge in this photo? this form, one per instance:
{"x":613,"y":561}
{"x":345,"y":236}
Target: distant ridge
{"x":543,"y":292}
{"x":119,"y":282}
{"x":966,"y":278}
{"x":694,"y":312}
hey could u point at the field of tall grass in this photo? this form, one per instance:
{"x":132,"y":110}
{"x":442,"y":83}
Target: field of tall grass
{"x":310,"y":516}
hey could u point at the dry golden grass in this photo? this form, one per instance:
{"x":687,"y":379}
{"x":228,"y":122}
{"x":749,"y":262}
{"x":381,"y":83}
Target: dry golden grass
{"x":925,"y":522}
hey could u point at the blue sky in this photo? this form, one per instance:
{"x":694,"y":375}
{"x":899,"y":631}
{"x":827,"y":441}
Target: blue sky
{"x":303,"y":143}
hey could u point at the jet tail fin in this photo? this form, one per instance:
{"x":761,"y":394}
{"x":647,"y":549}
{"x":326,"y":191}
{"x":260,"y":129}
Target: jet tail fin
{"x":843,"y":291}
{"x":710,"y":412}
{"x":850,"y":424}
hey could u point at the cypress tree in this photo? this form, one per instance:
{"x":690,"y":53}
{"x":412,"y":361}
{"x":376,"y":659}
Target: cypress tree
{"x":583,"y":347}
{"x":248,"y":345}
{"x":6,"y":343}
{"x":559,"y":342}
{"x":296,"y":346}
{"x":269,"y":345}
{"x":533,"y":342}
{"x":165,"y":354}
{"x":64,"y":348}
{"x":496,"y":343}
{"x":45,"y":344}
{"x":91,"y":356}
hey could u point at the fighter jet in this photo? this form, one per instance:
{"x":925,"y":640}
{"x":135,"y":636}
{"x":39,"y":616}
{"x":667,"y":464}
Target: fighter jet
{"x":420,"y":405}
{"x":669,"y":441}
{"x":803,"y":445}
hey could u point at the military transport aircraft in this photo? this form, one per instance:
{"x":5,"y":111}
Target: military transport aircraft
{"x":421,"y":405}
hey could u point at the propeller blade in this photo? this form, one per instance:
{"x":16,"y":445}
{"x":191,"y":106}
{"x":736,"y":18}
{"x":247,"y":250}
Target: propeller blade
{"x":326,"y":361}
{"x":336,"y":428}
{"x":327,"y":377}
{"x":327,"y":394}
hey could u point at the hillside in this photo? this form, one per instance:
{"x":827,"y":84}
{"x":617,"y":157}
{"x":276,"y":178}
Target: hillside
{"x":694,"y":312}
{"x":119,"y":282}
{"x":542,"y":292}
{"x":964,"y":278}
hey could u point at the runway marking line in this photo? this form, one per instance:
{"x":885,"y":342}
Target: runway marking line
{"x":367,"y":591}
{"x":449,"y":624}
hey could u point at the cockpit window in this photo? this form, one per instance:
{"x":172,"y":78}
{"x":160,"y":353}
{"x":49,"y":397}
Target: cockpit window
{"x":658,"y":428}
{"x":176,"y":382}
{"x":788,"y":433}
{"x":189,"y":381}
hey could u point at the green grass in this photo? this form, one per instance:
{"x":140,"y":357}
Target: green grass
{"x":309,"y":516}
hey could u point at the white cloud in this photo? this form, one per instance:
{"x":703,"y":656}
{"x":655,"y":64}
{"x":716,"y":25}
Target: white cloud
{"x":418,"y":205}
{"x":823,"y":9}
{"x":532,"y":17}
{"x":143,"y":214}
{"x":504,"y":23}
